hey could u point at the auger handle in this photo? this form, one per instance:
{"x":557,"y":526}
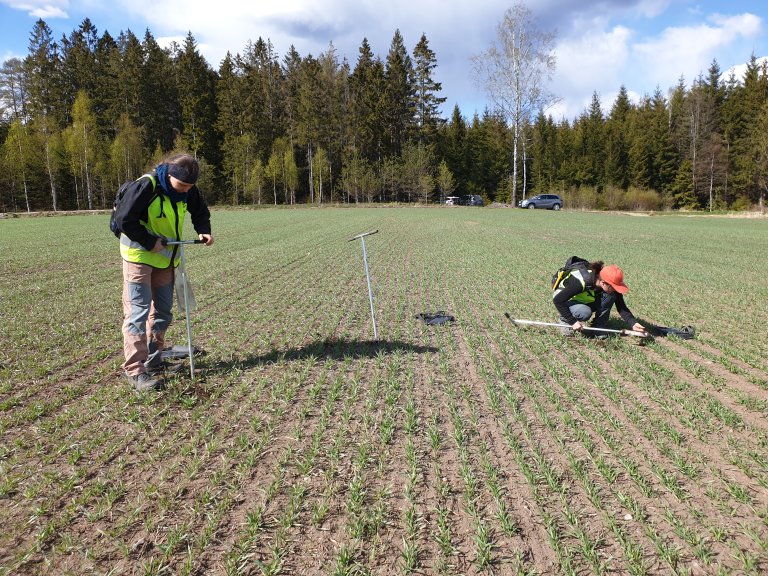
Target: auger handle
{"x":179,"y":242}
{"x":363,"y":235}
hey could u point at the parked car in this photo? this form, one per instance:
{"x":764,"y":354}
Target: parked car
{"x":471,"y":200}
{"x":548,"y":201}
{"x":452,"y":200}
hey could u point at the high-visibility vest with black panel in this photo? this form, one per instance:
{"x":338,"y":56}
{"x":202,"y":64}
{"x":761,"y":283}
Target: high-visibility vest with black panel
{"x":587,"y":296}
{"x":165,"y":220}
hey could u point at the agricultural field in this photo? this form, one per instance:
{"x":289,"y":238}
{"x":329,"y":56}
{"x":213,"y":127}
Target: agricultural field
{"x":304,"y":447}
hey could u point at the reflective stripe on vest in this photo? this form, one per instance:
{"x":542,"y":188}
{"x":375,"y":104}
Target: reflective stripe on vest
{"x":584,"y":297}
{"x":165,"y":221}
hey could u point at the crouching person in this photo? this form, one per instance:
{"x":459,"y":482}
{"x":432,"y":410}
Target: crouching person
{"x":592,"y":289}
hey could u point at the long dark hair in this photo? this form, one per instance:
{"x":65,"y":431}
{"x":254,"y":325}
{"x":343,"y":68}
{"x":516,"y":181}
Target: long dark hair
{"x":596,"y":267}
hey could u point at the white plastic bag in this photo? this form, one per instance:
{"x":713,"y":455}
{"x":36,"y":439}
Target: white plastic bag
{"x":181,"y":278}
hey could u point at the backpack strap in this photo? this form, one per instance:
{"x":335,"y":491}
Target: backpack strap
{"x":571,"y":264}
{"x":151,"y":177}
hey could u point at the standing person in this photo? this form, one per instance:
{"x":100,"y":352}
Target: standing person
{"x":592,"y":289}
{"x":152,"y":212}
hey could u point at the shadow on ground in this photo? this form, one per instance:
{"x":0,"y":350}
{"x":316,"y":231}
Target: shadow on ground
{"x":324,"y":350}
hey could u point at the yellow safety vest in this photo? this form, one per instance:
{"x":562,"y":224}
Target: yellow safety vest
{"x":585,"y":297}
{"x":165,"y":220}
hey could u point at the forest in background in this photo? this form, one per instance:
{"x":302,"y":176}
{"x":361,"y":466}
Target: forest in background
{"x":81,"y":115}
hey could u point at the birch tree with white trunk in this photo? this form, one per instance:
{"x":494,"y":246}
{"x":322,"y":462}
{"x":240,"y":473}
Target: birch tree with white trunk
{"x":514,"y":72}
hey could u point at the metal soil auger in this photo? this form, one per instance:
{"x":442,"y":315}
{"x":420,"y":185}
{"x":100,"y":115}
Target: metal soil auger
{"x":185,"y":298}
{"x":559,"y":325}
{"x":361,"y":237}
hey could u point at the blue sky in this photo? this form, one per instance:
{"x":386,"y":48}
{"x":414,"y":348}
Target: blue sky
{"x":601,"y":44}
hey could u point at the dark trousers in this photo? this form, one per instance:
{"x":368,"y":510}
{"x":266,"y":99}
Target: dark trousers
{"x":604,"y":311}
{"x":583,"y":312}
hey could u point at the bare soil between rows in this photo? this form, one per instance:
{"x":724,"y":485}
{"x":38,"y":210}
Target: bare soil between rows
{"x":210,"y":478}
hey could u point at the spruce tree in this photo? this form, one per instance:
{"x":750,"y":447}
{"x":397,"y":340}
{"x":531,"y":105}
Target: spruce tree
{"x":79,"y":69}
{"x":231,"y":124}
{"x":196,"y":84}
{"x":160,"y":111}
{"x":263,"y":94}
{"x":399,"y":97}
{"x":617,"y":172}
{"x":427,"y":89}
{"x":665,"y":155}
{"x":543,"y":154}
{"x":641,"y":148}
{"x":744,"y":101}
{"x":453,"y":147}
{"x":129,"y":74}
{"x":106,"y":94}
{"x":44,"y":78}
{"x":591,"y":141}
{"x":366,"y":85}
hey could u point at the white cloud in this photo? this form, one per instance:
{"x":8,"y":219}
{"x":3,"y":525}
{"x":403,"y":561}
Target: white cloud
{"x":455,"y":31}
{"x":7,"y":55}
{"x":688,"y":51}
{"x":311,"y":26}
{"x":596,"y":58}
{"x":40,"y":9}
{"x":593,"y":62}
{"x":602,"y":44}
{"x":747,"y":25}
{"x":740,"y":70}
{"x":652,"y":8}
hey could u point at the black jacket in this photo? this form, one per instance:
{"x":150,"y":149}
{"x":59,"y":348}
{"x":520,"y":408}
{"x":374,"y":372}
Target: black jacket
{"x":133,"y":210}
{"x":571,"y":287}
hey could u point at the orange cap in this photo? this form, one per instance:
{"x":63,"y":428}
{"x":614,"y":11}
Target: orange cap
{"x":615,"y":277}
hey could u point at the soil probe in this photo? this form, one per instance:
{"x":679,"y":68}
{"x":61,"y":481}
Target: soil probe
{"x":187,"y":296}
{"x":361,"y":237}
{"x":536,"y":323}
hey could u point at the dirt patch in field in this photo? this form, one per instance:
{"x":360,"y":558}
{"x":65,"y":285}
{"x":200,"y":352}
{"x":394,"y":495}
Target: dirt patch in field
{"x":470,"y":448}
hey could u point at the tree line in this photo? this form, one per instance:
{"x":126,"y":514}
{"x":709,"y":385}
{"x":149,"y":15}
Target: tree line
{"x":83,"y":114}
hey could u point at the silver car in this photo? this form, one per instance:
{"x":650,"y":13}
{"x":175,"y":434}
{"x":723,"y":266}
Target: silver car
{"x":548,"y":201}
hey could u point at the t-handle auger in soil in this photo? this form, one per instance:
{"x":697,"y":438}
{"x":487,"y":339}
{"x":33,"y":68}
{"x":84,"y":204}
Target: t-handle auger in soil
{"x":361,"y":237}
{"x":187,"y":296}
{"x":563,"y":325}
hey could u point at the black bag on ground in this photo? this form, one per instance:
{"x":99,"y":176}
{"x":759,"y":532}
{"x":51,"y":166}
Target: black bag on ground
{"x":437,"y":318}
{"x":571,"y":264}
{"x":685,"y":333}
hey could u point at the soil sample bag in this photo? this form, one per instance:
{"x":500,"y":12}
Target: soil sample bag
{"x":180,"y":278}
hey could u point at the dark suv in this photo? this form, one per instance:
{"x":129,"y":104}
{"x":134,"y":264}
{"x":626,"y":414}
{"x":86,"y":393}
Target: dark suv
{"x":549,"y":201}
{"x":471,"y":200}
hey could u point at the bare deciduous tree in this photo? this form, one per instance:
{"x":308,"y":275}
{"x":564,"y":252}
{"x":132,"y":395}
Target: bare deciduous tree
{"x":514,"y":72}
